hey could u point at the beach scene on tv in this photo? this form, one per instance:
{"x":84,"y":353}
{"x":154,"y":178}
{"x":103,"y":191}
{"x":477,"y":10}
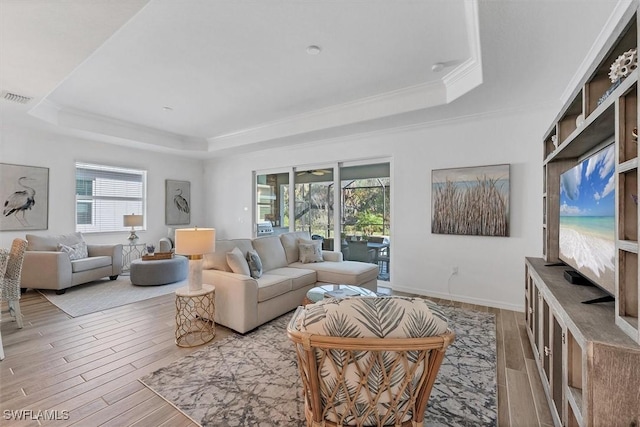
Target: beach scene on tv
{"x":587,"y":223}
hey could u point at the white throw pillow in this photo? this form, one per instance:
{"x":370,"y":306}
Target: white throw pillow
{"x":310,"y":251}
{"x":77,"y":251}
{"x":236,"y":261}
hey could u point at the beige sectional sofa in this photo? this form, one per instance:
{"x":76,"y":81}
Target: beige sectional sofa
{"x":46,"y":266}
{"x":243,"y":303}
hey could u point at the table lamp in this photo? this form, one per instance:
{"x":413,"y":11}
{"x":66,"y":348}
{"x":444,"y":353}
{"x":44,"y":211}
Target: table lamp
{"x":133,"y":221}
{"x":194,"y":243}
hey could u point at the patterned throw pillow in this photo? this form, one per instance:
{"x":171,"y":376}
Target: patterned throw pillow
{"x":77,"y":251}
{"x":255,"y":264}
{"x":310,"y":251}
{"x":237,"y":262}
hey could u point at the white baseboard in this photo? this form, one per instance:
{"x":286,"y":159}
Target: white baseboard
{"x":460,"y":298}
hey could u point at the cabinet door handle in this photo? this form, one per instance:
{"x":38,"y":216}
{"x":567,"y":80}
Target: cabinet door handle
{"x":564,"y":338}
{"x":547,"y":351}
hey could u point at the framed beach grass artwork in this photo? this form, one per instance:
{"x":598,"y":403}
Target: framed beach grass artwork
{"x":470,"y":201}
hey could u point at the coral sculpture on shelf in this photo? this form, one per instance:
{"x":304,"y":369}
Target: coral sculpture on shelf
{"x":621,"y":68}
{"x":624,"y":65}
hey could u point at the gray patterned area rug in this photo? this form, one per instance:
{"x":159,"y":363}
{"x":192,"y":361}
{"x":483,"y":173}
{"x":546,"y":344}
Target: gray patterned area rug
{"x":253,"y":380}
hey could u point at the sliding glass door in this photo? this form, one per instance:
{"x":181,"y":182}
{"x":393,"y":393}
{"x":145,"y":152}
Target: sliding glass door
{"x":360,"y":191}
{"x":313,"y":207}
{"x":366,"y":215}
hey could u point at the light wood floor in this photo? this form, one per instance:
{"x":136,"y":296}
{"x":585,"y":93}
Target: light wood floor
{"x":87,"y":368}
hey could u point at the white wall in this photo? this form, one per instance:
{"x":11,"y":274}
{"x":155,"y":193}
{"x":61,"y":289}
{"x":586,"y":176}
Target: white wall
{"x":491,"y":269}
{"x":37,"y":146}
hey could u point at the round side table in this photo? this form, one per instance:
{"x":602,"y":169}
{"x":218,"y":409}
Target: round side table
{"x":195,"y":312}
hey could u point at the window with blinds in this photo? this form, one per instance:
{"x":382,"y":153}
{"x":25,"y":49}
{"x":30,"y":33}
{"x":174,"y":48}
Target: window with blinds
{"x":104,"y":194}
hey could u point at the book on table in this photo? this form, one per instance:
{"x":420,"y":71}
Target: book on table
{"x":341,"y":293}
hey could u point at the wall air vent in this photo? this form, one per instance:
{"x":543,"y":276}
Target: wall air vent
{"x":14,"y":97}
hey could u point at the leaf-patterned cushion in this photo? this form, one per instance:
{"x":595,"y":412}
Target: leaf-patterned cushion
{"x":380,"y":317}
{"x":342,"y":377}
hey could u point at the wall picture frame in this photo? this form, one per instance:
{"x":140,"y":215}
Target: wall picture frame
{"x":25,"y":197}
{"x":471,"y":200}
{"x":177,"y":202}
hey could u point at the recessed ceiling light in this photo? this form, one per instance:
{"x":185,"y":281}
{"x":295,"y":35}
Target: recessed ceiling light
{"x":166,"y":108}
{"x":313,"y":50}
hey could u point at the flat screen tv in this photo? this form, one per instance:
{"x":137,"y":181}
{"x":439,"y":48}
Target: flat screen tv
{"x":587,"y":218}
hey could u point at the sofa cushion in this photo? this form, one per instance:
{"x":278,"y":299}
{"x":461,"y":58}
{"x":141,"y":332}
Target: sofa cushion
{"x":345,"y":272}
{"x":218,"y":259}
{"x":300,"y":277}
{"x":85,"y":264}
{"x":290,"y":244}
{"x":271,"y":286}
{"x":77,"y":251}
{"x":271,"y":252}
{"x":51,"y":242}
{"x":237,"y":262}
{"x":255,"y":264}
{"x":310,"y":251}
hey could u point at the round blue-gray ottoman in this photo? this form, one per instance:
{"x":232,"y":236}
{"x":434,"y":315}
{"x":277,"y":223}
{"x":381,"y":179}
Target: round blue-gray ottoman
{"x":159,"y":271}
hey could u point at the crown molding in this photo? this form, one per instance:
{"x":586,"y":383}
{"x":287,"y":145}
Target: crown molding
{"x":348,"y":118}
{"x":309,"y":140}
{"x":458,"y":82}
{"x":468,"y":75}
{"x":119,"y":132}
{"x":373,"y":107}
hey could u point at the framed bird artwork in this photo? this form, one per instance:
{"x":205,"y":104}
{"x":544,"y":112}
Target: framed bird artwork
{"x":25,"y":197}
{"x":177,"y":202}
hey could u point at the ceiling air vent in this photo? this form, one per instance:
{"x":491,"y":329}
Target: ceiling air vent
{"x":14,"y":97}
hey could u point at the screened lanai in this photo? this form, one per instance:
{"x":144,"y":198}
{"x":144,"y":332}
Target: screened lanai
{"x":364,"y":209}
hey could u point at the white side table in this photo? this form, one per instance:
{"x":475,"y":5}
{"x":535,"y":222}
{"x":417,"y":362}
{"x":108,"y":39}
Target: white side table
{"x":131,"y":252}
{"x":195,"y":312}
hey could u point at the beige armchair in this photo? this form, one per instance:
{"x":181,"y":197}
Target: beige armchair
{"x":59,"y":262}
{"x":368,"y":361}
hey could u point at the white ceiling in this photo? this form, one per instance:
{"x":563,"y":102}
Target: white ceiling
{"x":237,"y":76}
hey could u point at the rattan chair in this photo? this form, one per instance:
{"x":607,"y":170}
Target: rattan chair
{"x":11,"y":279}
{"x":4,"y":260}
{"x":365,"y":381}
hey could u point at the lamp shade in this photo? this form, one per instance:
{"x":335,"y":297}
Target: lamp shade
{"x":132,"y":220}
{"x":195,"y":241}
